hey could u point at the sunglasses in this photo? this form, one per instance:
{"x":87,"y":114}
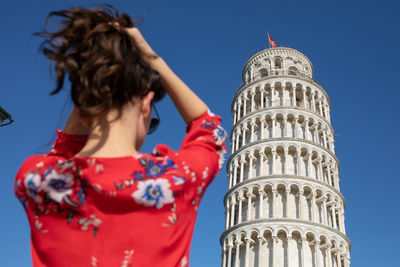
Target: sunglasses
{"x":155,"y":121}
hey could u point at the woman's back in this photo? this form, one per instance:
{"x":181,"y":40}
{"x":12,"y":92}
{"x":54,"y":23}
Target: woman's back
{"x":138,"y":209}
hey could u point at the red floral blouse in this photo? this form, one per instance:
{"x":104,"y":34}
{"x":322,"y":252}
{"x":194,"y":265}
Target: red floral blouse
{"x":137,"y":210}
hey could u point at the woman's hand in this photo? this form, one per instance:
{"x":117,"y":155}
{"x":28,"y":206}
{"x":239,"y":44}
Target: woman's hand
{"x":141,"y":42}
{"x":189,"y":105}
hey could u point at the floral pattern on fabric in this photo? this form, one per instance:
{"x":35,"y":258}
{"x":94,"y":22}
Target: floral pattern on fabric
{"x":154,"y":193}
{"x":88,"y":202}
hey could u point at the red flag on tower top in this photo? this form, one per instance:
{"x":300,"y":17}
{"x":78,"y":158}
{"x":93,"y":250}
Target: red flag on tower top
{"x":271,"y":42}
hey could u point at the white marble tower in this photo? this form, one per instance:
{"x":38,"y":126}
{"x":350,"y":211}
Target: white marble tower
{"x":283,"y":206}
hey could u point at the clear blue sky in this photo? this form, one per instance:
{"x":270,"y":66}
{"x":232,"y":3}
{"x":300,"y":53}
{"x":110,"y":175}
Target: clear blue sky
{"x":353,"y":45}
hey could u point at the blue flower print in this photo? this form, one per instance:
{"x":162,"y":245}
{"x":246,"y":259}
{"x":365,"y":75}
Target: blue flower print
{"x":137,"y":175}
{"x":57,"y":185}
{"x":208,"y":125}
{"x":32,"y":183}
{"x":154,"y":169}
{"x":220,"y":135}
{"x":179,"y":180}
{"x":153,"y":193}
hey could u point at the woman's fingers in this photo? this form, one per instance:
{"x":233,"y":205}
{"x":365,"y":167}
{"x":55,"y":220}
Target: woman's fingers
{"x":141,"y":42}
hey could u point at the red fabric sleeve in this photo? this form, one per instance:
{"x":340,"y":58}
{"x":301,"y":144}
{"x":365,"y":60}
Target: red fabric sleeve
{"x":67,"y":145}
{"x":202,"y":152}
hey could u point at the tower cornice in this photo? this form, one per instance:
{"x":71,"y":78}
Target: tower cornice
{"x":281,"y":139}
{"x":283,"y":176}
{"x":282,"y":108}
{"x":265,"y":222}
{"x":243,"y":87}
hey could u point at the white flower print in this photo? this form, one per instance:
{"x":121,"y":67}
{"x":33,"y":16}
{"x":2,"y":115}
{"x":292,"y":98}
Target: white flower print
{"x":128,"y":258}
{"x":154,"y":193}
{"x":91,"y":221}
{"x":94,"y":261}
{"x":57,"y":185}
{"x":32,"y":182}
{"x":221,"y":160}
{"x":205,"y":173}
{"x":184,"y":262}
{"x":220,"y":135}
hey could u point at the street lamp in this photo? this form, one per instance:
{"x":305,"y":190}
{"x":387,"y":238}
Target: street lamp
{"x":5,"y":116}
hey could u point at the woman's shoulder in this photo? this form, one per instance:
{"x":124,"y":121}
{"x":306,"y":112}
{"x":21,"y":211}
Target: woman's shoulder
{"x":34,"y":162}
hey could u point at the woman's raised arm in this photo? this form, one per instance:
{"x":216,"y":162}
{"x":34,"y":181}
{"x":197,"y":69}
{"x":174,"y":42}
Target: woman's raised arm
{"x":189,"y":105}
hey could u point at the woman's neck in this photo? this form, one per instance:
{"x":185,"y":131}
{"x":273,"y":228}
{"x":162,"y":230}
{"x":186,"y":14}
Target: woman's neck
{"x":112,"y":139}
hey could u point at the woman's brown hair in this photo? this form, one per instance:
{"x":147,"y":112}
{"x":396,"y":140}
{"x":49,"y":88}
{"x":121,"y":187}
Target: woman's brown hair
{"x":103,"y":62}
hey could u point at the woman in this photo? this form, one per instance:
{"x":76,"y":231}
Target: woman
{"x":94,"y":199}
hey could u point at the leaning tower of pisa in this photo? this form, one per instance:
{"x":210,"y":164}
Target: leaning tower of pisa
{"x":283,"y":205}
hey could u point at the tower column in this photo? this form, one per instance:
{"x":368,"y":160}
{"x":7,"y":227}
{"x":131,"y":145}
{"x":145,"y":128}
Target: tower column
{"x":328,"y":166}
{"x":272,"y":96}
{"x":299,"y":159}
{"x":253,"y":125}
{"x":313,"y":101}
{"x":314,"y":208}
{"x":234,"y":113}
{"x":249,"y":197}
{"x":320,"y":169}
{"x":273,"y":152}
{"x":285,"y":165}
{"x":230,"y":246}
{"x":274,"y":195}
{"x":333,"y":210}
{"x":261,"y":239}
{"x":343,"y":224}
{"x":233,"y":142}
{"x":237,"y":139}
{"x":248,"y":242}
{"x":261,"y":98}
{"x":242,"y":161}
{"x":288,"y":241}
{"x":273,"y":127}
{"x":230,"y":176}
{"x":244,"y":106}
{"x":301,"y":205}
{"x":293,"y":95}
{"x":273,"y":248}
{"x":309,"y":165}
{"x":306,"y":129}
{"x":240,"y":199}
{"x":223,"y":254}
{"x":324,"y":138}
{"x":227,"y":214}
{"x":329,"y":255}
{"x":239,"y":109}
{"x":235,"y":166}
{"x":287,"y":202}
{"x":262,"y":128}
{"x":238,"y":244}
{"x":304,"y":98}
{"x":320,"y":107}
{"x":244,"y":129}
{"x":324,"y":211}
{"x":317,"y":252}
{"x":261,"y":207}
{"x":252,"y":104}
{"x":338,"y":259}
{"x":251,"y":158}
{"x":233,"y":202}
{"x":261,"y":155}
{"x":304,"y":243}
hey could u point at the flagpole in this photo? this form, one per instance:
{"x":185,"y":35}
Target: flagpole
{"x":269,"y":42}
